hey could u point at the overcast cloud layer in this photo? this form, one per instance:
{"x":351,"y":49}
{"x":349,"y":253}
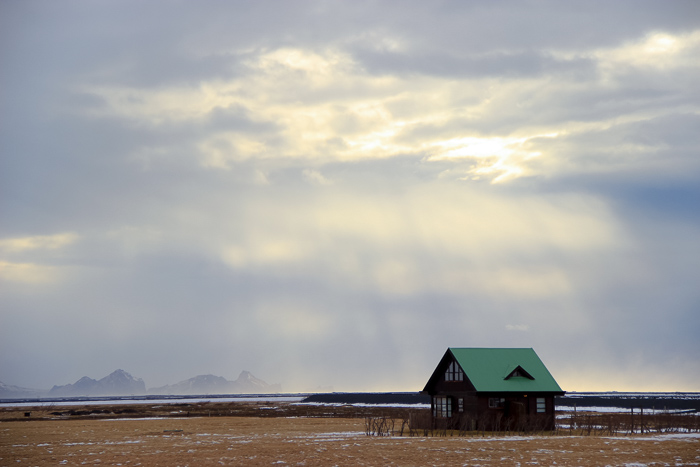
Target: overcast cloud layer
{"x":329,"y":194}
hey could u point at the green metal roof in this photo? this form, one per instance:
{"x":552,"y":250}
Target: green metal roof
{"x":487,"y":369}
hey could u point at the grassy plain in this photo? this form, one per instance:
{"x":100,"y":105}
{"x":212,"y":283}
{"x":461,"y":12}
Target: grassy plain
{"x":290,"y":434}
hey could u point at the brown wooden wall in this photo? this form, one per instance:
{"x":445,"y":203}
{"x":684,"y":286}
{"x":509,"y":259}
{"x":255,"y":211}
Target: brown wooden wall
{"x":518,"y":412}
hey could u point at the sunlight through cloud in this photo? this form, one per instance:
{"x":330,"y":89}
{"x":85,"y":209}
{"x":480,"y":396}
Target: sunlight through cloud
{"x":38,"y":242}
{"x":505,"y":158}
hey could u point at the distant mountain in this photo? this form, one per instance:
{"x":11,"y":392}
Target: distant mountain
{"x":118,"y":383}
{"x":202,"y":384}
{"x":249,"y":384}
{"x":121,"y":383}
{"x":8,"y":391}
{"x":210,"y":384}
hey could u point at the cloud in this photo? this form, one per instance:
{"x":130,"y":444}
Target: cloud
{"x":323,"y":105}
{"x":316,"y":177}
{"x":314,"y":187}
{"x":26,"y":272}
{"x":657,"y":49}
{"x":48,"y":242}
{"x":46,"y":249}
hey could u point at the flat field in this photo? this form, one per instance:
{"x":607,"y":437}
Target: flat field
{"x":312,"y":439}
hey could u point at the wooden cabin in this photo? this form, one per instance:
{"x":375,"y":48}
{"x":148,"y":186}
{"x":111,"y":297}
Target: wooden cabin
{"x":492,"y":389}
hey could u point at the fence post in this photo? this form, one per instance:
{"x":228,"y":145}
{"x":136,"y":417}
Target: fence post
{"x":631,"y":419}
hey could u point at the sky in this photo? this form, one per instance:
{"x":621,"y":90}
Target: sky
{"x":330,"y":194}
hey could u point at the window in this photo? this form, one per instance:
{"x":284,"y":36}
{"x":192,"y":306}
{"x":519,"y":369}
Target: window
{"x":496,"y":402}
{"x":540,"y":405}
{"x":519,"y":372}
{"x":454,"y":373}
{"x":460,"y":404}
{"x":442,"y":407}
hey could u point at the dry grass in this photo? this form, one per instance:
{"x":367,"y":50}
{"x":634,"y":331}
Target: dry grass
{"x":310,"y":439}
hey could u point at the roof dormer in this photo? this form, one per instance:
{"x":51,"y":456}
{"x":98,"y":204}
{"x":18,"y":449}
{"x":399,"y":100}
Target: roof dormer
{"x":519,"y":371}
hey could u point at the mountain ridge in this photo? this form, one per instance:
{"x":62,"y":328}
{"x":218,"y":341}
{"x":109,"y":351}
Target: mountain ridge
{"x":246,"y":383}
{"x":122,"y":383}
{"x":9,"y":391}
{"x":117,"y":383}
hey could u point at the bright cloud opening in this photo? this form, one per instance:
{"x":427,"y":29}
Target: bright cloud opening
{"x":505,"y":158}
{"x":27,"y":272}
{"x":656,"y":50}
{"x":37,"y":242}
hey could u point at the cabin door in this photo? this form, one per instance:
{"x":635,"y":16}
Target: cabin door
{"x":515,"y":413}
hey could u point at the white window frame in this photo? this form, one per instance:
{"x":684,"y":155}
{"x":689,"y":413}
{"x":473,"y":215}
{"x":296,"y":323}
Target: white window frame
{"x":442,"y":407}
{"x":541,"y":405}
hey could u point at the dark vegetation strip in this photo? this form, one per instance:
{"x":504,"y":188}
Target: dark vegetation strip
{"x":369,"y":398}
{"x":659,"y":401}
{"x":201,"y":409}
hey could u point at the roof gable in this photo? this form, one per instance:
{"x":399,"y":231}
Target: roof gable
{"x":505,"y":370}
{"x":519,"y":372}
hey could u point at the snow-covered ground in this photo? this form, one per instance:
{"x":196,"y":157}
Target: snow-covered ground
{"x":667,"y":395}
{"x":568,"y":409}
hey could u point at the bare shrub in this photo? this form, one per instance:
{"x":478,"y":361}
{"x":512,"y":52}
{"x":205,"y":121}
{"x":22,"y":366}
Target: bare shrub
{"x":379,"y":426}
